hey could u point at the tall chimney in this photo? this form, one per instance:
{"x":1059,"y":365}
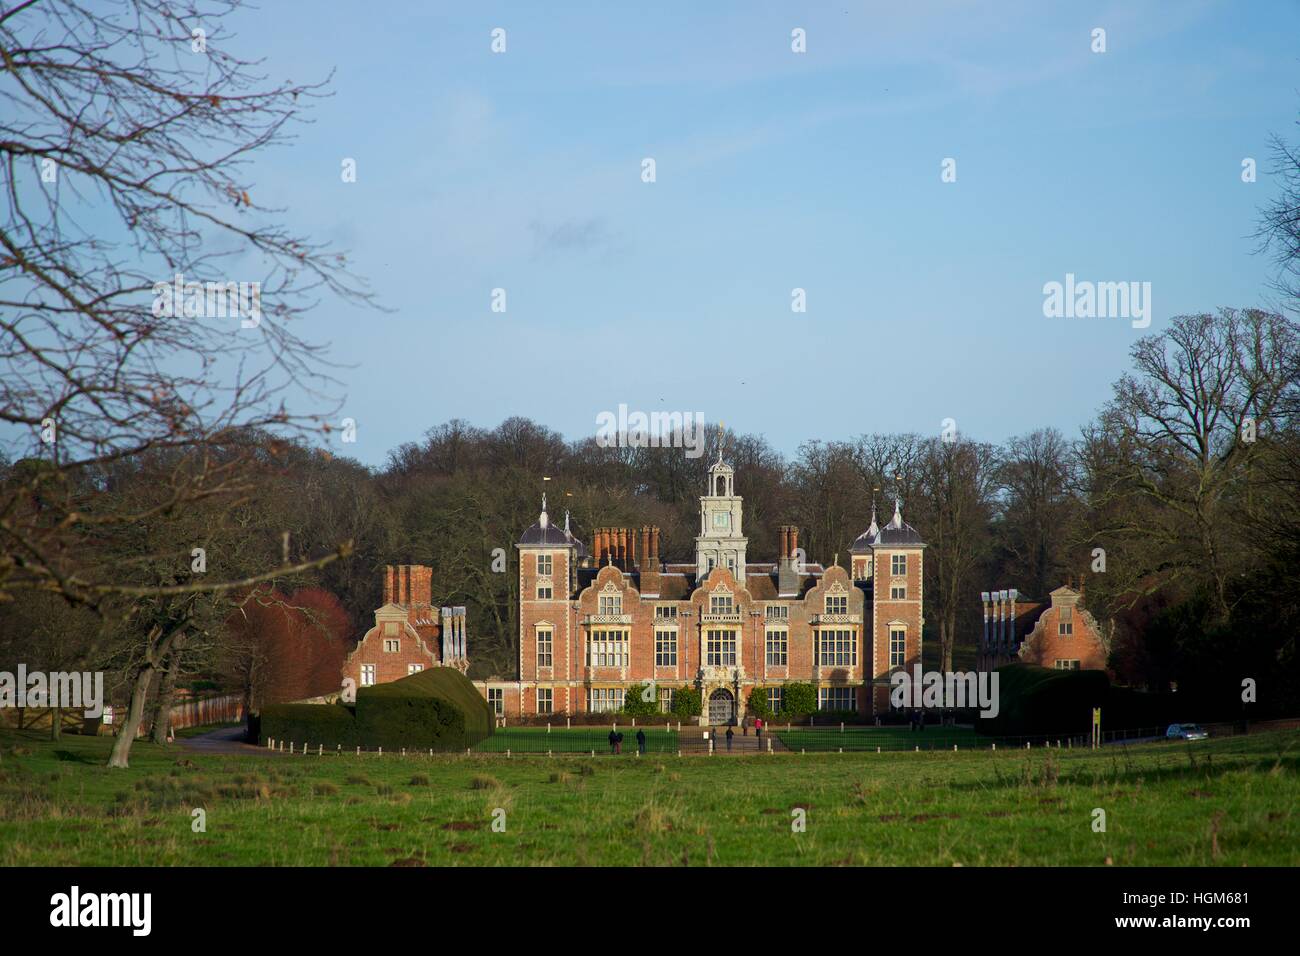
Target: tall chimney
{"x":650,"y":580}
{"x":787,"y":582}
{"x":984,"y":642}
{"x":794,"y":540}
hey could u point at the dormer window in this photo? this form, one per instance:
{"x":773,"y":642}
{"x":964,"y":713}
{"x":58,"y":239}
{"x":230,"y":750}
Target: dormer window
{"x":721,"y":604}
{"x":837,"y":604}
{"x":611,"y":604}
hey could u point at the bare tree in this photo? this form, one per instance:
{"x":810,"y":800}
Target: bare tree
{"x":1036,"y":478}
{"x":1279,"y":223}
{"x":956,"y":482}
{"x":1184,"y":431}
{"x":125,"y":131}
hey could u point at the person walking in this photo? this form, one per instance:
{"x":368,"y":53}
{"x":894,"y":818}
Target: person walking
{"x":730,"y":734}
{"x":640,"y":742}
{"x":618,"y":742}
{"x":613,"y":742}
{"x":758,"y":731}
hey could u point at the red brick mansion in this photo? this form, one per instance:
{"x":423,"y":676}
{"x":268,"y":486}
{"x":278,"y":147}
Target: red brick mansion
{"x":597,"y":621}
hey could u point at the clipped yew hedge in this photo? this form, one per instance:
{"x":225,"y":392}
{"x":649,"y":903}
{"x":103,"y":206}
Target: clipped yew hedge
{"x":436,"y":709}
{"x":328,"y":725}
{"x":1039,"y":701}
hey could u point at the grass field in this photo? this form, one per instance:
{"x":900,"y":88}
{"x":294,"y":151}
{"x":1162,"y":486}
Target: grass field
{"x":585,"y":740}
{"x":579,"y":740}
{"x":869,"y":738}
{"x":1228,"y":801}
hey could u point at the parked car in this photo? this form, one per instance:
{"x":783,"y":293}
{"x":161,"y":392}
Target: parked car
{"x":1185,"y":732}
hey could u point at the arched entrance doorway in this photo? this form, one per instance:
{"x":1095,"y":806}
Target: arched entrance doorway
{"x":722,"y":707}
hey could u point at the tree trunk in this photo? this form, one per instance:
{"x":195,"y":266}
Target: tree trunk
{"x":156,"y":649}
{"x":134,"y":714}
{"x":162,"y":706}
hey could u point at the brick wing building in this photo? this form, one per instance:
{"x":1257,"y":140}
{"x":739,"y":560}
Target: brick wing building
{"x":1059,"y":633}
{"x":410,"y":634}
{"x":593,"y":624}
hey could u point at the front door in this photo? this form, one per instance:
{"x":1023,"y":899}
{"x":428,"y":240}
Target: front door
{"x":722,"y":706}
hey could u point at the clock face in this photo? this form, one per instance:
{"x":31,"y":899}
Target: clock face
{"x":721,"y":519}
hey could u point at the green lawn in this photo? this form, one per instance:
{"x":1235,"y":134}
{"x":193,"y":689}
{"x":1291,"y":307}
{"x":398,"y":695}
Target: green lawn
{"x":832,"y":739}
{"x":1227,"y":801}
{"x":579,"y":740}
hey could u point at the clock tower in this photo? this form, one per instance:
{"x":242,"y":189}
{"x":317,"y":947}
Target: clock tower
{"x":720,"y":542}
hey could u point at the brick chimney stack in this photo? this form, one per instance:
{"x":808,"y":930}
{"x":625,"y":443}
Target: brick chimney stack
{"x":408,"y":584}
{"x":787,"y":582}
{"x":650,"y":578}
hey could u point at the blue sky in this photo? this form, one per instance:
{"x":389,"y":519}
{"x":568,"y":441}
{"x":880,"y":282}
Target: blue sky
{"x":775,"y":170}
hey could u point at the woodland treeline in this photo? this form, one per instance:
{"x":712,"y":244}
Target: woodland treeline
{"x":1177,"y":509}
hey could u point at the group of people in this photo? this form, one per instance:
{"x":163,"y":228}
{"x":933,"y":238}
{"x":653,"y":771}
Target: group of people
{"x":616,"y":737}
{"x":758,"y":732}
{"x":616,"y":741}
